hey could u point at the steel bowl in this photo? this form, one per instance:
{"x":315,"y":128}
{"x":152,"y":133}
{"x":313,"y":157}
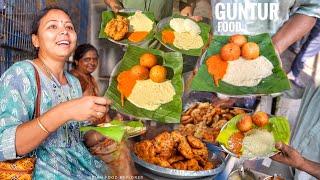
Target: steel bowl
{"x":182,"y":174}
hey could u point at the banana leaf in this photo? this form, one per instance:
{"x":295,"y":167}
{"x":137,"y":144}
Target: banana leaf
{"x":279,"y":126}
{"x":109,"y":15}
{"x":115,"y":133}
{"x":275,"y":83}
{"x":169,"y":112}
{"x":205,"y":30}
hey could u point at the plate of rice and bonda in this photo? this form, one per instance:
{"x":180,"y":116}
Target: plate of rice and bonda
{"x":241,"y":65}
{"x":147,"y":84}
{"x":253,"y":136}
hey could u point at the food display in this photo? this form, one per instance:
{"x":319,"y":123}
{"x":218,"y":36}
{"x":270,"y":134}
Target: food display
{"x":117,"y":28}
{"x":183,"y":34}
{"x":254,"y":136}
{"x":148,"y":84}
{"x":241,"y":65}
{"x":173,"y":150}
{"x":127,"y":27}
{"x":204,"y":120}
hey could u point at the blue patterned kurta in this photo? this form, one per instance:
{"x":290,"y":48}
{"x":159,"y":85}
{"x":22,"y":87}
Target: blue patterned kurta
{"x":62,"y":155}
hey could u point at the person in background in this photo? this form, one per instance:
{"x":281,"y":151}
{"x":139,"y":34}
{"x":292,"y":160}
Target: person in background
{"x":54,"y":137}
{"x":85,"y":62}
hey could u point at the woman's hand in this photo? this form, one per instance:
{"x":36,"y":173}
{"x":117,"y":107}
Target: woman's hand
{"x":89,"y":108}
{"x":288,"y":156}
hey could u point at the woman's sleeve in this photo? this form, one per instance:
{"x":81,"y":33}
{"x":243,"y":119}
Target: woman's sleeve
{"x":309,"y":8}
{"x":16,"y":107}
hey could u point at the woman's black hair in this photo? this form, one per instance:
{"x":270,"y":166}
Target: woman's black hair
{"x":39,"y":15}
{"x":81,"y":50}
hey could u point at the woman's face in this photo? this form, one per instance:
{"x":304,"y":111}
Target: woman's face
{"x":56,"y":36}
{"x":89,"y":62}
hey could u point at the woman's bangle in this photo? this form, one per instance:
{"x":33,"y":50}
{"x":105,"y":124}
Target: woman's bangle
{"x":41,"y":126}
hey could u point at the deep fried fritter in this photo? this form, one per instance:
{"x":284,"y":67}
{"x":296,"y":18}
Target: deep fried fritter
{"x":117,"y":28}
{"x":145,"y":150}
{"x":201,"y":152}
{"x":164,"y":144}
{"x":188,"y":129}
{"x":209,"y":165}
{"x":180,"y":165}
{"x":161,"y":162}
{"x":195,"y":142}
{"x":175,"y":158}
{"x":185,"y":149}
{"x":200,"y":160}
{"x":176,"y":136}
{"x":193,"y":165}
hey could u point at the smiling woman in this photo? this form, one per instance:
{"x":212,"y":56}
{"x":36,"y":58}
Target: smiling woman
{"x":53,"y":134}
{"x":86,"y":61}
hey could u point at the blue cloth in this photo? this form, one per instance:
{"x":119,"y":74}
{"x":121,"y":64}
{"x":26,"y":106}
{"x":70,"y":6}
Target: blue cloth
{"x":309,"y":49}
{"x":306,"y":136}
{"x":62,"y":155}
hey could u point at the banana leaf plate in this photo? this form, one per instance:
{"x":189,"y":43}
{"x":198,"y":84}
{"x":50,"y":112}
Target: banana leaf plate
{"x":273,"y":84}
{"x":109,"y":15}
{"x":278,"y":126}
{"x":164,"y":25}
{"x":169,"y":112}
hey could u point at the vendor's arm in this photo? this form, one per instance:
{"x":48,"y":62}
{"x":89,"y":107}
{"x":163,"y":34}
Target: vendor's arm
{"x":298,"y":25}
{"x":115,"y":5}
{"x":293,"y":30}
{"x":293,"y":158}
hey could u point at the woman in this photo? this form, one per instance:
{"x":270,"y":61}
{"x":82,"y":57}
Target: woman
{"x":86,"y":61}
{"x":54,"y":137}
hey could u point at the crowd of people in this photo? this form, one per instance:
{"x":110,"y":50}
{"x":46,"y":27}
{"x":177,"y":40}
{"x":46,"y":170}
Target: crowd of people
{"x":70,"y":100}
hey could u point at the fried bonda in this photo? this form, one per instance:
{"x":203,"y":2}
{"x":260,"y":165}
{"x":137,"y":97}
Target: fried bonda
{"x":117,"y":28}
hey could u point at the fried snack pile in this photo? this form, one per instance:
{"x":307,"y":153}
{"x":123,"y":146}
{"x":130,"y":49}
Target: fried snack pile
{"x":173,"y":150}
{"x":117,"y":28}
{"x":204,"y":121}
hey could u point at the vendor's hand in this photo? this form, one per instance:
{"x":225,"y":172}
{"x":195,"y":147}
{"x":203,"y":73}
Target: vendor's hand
{"x":187,"y":11}
{"x":196,"y":18}
{"x":115,"y":6}
{"x":90,"y":108}
{"x":288,"y":156}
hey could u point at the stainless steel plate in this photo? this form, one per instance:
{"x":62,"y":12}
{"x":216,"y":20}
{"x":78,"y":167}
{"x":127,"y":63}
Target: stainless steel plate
{"x":181,"y":174}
